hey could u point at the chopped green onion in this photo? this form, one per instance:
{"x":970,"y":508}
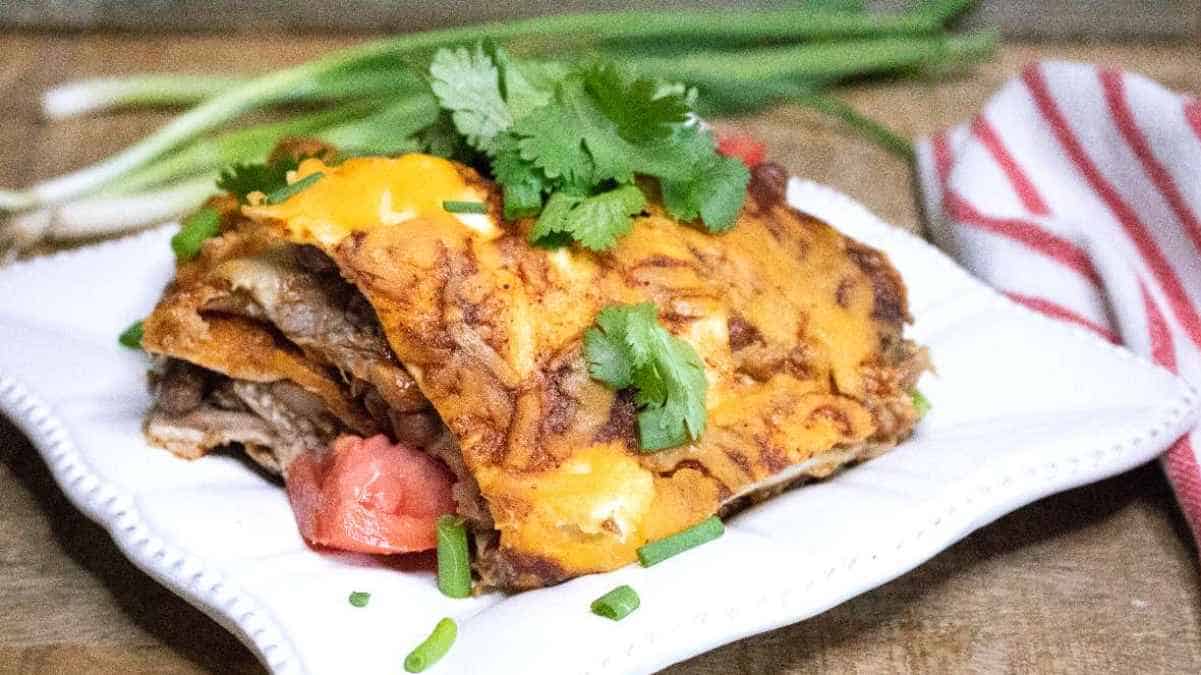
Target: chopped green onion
{"x":132,"y":336}
{"x":657,"y":551}
{"x":464,"y":207}
{"x":196,"y":229}
{"x":359,"y":599}
{"x":920,"y":403}
{"x":287,"y":191}
{"x":435,"y":647}
{"x":454,"y":564}
{"x":616,"y":604}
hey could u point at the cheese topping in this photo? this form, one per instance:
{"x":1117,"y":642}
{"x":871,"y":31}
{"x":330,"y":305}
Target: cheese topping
{"x":362,"y":194}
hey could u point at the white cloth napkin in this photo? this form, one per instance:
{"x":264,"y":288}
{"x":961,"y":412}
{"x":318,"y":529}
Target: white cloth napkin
{"x":1077,"y":192}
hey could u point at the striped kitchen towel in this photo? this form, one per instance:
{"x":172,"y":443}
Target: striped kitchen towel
{"x":1077,"y":193}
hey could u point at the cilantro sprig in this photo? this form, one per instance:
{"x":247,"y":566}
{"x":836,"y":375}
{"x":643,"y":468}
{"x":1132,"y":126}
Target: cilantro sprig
{"x":629,"y":348}
{"x":566,"y":144}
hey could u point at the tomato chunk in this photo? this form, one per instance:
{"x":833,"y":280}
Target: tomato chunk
{"x":743,"y":147}
{"x":369,"y":496}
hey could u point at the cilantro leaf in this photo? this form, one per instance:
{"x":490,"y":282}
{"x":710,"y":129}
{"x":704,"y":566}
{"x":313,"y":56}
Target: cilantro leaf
{"x":715,"y":193}
{"x":554,"y":216}
{"x":641,"y":323}
{"x":467,"y":83}
{"x":719,"y":191}
{"x":631,"y":348}
{"x":595,"y":222}
{"x":520,"y":94}
{"x":610,"y":153}
{"x":243,"y":178}
{"x":675,"y":403}
{"x":711,"y":187}
{"x":572,"y":138}
{"x":636,"y":106}
{"x":599,"y":221}
{"x":550,"y":138}
{"x":522,"y":183}
{"x":607,"y":360}
{"x":659,"y":427}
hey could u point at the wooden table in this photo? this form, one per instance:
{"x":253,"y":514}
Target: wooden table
{"x":1100,"y":579}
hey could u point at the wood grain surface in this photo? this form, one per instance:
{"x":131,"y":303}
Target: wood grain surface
{"x":1100,"y":579}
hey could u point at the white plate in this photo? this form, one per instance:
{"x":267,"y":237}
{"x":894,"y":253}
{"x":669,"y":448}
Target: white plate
{"x":1023,"y":407}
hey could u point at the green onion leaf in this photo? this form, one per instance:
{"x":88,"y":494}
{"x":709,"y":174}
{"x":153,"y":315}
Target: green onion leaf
{"x":435,"y":647}
{"x":132,"y":336}
{"x":920,"y":403}
{"x":454,"y":564}
{"x":359,"y":599}
{"x":464,"y":207}
{"x":616,"y":604}
{"x":657,"y":551}
{"x":196,"y":229}
{"x":287,"y":191}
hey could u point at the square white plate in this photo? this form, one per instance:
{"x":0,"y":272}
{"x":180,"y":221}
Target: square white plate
{"x":1023,"y":407}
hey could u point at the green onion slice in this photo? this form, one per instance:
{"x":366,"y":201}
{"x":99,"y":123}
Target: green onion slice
{"x":657,"y":551}
{"x":920,"y":403}
{"x":435,"y":647}
{"x":454,"y":563}
{"x":616,"y":604}
{"x":464,"y":207}
{"x":359,"y":599}
{"x":287,"y":191}
{"x":132,"y":337}
{"x":196,"y":229}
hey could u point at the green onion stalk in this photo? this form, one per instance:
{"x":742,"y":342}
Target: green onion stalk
{"x":792,"y":24}
{"x":370,"y":79}
{"x":100,"y":216}
{"x":820,"y":61}
{"x":84,"y":97}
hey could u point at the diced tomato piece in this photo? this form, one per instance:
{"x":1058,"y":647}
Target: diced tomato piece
{"x":369,"y":496}
{"x":742,"y":146}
